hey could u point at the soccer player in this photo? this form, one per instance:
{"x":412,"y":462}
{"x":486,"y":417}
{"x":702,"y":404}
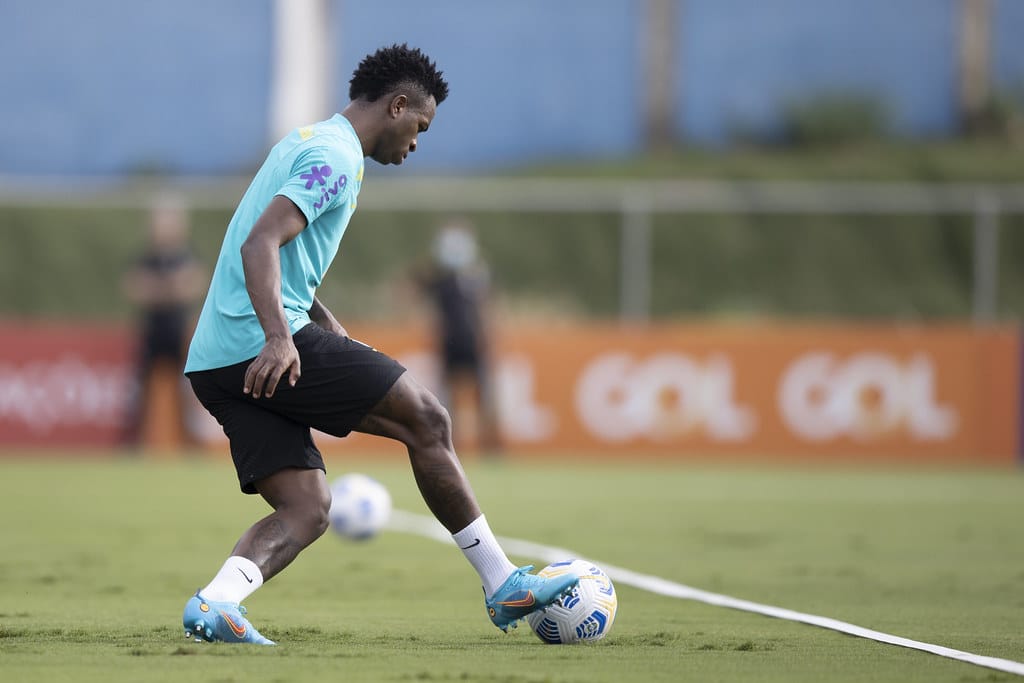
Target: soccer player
{"x":270,"y":361}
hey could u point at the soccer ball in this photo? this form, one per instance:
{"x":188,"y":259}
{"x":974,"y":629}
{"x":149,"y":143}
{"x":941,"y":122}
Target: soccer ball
{"x":586,"y":614}
{"x":360,"y":506}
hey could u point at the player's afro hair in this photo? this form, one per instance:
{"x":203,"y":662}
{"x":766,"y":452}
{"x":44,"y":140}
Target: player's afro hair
{"x":390,"y":67}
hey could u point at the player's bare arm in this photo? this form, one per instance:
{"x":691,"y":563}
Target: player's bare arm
{"x":261,"y":261}
{"x":323,"y":317}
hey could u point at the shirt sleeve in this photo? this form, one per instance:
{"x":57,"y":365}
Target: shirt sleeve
{"x":319,"y":182}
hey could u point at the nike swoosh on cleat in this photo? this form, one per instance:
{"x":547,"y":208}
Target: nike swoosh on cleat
{"x":526,"y":601}
{"x":238,"y":630}
{"x":244,"y":574}
{"x":476,"y":542}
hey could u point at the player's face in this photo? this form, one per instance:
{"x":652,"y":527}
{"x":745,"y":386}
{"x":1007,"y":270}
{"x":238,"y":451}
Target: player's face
{"x":405,"y":125}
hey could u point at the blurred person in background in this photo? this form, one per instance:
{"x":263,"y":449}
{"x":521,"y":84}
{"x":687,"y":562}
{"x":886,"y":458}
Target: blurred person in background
{"x":270,"y":362}
{"x":165,"y":284}
{"x":457,"y":282}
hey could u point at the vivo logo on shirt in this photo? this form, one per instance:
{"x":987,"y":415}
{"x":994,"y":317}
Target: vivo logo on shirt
{"x":320,"y":174}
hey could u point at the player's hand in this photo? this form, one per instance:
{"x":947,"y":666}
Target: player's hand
{"x":278,"y":356}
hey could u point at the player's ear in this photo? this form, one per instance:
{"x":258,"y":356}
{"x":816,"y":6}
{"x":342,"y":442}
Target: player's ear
{"x":399,"y":103}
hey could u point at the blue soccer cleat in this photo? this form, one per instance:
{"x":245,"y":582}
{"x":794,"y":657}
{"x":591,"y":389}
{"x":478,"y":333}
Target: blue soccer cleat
{"x":224,"y":621}
{"x":524,"y":593}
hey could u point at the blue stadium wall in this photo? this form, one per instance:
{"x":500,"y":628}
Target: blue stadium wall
{"x":112,"y":87}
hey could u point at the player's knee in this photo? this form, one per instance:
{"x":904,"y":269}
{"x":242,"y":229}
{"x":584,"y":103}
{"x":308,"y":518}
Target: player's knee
{"x":433,"y":424}
{"x":320,"y":512}
{"x":312,"y":514}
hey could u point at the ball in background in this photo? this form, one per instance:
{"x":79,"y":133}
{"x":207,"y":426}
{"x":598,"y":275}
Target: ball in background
{"x":360,"y":506}
{"x":586,"y":614}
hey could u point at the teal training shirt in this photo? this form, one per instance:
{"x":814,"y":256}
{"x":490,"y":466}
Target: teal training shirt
{"x":320,"y":169}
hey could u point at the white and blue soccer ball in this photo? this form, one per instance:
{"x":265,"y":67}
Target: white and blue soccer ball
{"x":586,"y":614}
{"x":360,"y":506}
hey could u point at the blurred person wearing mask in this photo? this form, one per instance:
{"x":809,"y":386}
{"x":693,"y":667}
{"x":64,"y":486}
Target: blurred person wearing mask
{"x":165,"y":284}
{"x":458,"y":284}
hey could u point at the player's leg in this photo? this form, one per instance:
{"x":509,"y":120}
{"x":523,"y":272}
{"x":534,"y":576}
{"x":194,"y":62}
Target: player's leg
{"x":411,"y":414}
{"x":301,"y":500}
{"x":275,"y":457}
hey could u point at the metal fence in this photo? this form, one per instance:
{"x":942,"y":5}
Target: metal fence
{"x":635,"y":201}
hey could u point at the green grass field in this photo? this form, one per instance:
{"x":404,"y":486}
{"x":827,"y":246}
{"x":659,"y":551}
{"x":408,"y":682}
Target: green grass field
{"x":99,"y":555}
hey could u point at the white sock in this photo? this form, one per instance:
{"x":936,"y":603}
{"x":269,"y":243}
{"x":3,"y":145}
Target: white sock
{"x":235,"y":581}
{"x":478,"y":544}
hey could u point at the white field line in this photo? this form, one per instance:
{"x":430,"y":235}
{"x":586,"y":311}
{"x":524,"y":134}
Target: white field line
{"x":422,"y":525}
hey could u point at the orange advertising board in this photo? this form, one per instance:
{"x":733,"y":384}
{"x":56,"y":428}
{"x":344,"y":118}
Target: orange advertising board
{"x":870,"y":392}
{"x":819,"y":392}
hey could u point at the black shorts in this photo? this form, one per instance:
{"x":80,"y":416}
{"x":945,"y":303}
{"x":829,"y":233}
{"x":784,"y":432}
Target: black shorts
{"x":341,"y":381}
